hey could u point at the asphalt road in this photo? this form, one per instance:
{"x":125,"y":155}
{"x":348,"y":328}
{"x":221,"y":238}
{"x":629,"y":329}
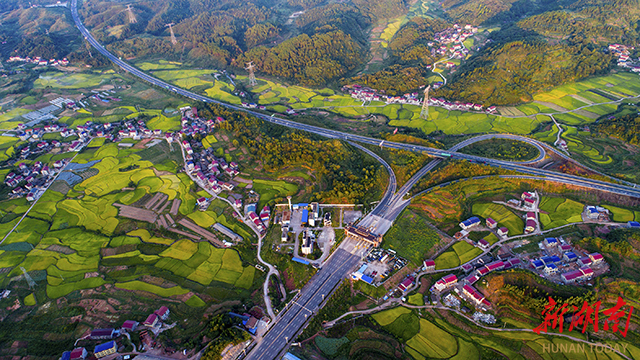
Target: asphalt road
{"x":301,"y":308}
{"x":576,"y":180}
{"x":290,"y":321}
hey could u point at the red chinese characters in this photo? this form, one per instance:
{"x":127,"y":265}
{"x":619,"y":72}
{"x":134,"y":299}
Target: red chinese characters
{"x":585,"y":316}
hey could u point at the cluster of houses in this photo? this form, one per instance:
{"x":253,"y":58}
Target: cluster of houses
{"x":261,"y":221}
{"x":380,"y":264}
{"x":30,"y":180}
{"x":455,"y":35}
{"x":563,"y":255}
{"x":111,"y":334}
{"x":103,"y":96}
{"x":471,"y":293}
{"x":261,"y":107}
{"x":203,"y":166}
{"x":623,"y":53}
{"x":365,"y":93}
{"x":467,"y":225}
{"x":39,"y":61}
{"x":595,"y":213}
{"x":455,"y":105}
{"x":309,"y":216}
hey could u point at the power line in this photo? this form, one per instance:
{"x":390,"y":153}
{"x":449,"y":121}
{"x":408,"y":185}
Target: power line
{"x":173,"y":36}
{"x":424,"y":114}
{"x":252,"y":75}
{"x":29,"y":279}
{"x":132,"y":17}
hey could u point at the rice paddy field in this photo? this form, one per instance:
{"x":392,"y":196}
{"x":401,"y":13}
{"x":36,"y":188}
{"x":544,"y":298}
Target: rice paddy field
{"x":60,"y":80}
{"x":623,"y":215}
{"x":459,"y":253}
{"x":73,"y":238}
{"x":558,"y":212}
{"x":443,"y":334}
{"x":457,"y":122}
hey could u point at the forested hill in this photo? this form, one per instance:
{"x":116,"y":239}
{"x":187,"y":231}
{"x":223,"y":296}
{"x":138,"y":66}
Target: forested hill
{"x":538,"y":47}
{"x":513,"y":72}
{"x":323,"y":44}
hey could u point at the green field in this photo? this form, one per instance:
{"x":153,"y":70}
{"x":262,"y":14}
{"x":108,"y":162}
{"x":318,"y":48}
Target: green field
{"x":559,"y":212}
{"x":447,"y":260}
{"x":623,"y":215}
{"x":433,"y":342}
{"x":270,"y":190}
{"x":411,"y":237}
{"x":416,"y":299}
{"x":386,"y":317}
{"x":459,"y":253}
{"x":502,"y":215}
{"x":83,"y":220}
{"x":60,"y":80}
{"x":154,"y":289}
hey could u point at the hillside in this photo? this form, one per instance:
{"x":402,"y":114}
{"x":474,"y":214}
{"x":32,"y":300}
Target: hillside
{"x":514,"y":72}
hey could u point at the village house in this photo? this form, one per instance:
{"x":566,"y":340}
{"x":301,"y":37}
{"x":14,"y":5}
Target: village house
{"x":445,"y":282}
{"x":429,"y":265}
{"x":105,"y":349}
{"x":130,"y":325}
{"x":78,"y":353}
{"x":469,"y":223}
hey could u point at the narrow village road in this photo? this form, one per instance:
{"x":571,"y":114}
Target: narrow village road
{"x":43,"y":191}
{"x":272,"y":269}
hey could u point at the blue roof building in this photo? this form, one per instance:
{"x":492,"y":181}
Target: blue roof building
{"x":537,"y":264}
{"x":472,"y":221}
{"x":301,"y":261}
{"x":305,"y":216}
{"x":551,"y":269}
{"x":550,"y":259}
{"x":66,"y":355}
{"x":105,"y":349}
{"x":366,"y":278}
{"x":634,"y":224}
{"x":251,"y":207}
{"x":570,"y":256}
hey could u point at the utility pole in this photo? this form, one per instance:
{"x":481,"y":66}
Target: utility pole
{"x":173,"y":36}
{"x":424,"y":114}
{"x":252,"y":75}
{"x":132,"y":18}
{"x":27,"y":277}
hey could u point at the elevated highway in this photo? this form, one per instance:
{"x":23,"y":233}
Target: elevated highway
{"x":306,"y":304}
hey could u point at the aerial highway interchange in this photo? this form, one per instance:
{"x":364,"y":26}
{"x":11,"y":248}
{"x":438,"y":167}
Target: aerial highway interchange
{"x":303,"y":306}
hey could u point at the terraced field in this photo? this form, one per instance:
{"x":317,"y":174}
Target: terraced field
{"x":71,"y":236}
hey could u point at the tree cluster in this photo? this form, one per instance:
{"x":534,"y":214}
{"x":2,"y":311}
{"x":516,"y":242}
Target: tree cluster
{"x":309,"y":60}
{"x":625,"y":128}
{"x":221,"y":329}
{"x":409,"y":44}
{"x":394,"y":80}
{"x":579,"y":29}
{"x":512,"y":73}
{"x":381,"y":9}
{"x":343,"y":173}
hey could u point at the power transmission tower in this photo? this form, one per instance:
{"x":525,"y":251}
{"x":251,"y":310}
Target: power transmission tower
{"x":173,"y":36}
{"x":252,"y":75}
{"x":132,"y":18}
{"x":30,"y":281}
{"x":425,"y":104}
